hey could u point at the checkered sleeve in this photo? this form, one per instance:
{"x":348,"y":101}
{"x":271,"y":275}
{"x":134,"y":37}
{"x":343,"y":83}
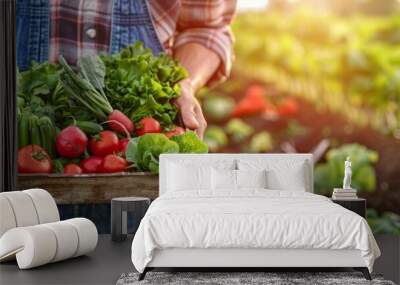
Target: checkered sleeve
{"x":207,"y":23}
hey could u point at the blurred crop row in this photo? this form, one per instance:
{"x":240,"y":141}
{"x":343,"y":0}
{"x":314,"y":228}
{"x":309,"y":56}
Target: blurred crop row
{"x":349,"y":65}
{"x":319,"y":83}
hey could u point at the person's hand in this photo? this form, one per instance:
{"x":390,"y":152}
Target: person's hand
{"x":190,"y":109}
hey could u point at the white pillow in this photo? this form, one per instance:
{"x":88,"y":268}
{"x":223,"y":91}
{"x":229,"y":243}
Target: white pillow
{"x":282,"y":174}
{"x":223,"y":179}
{"x":251,"y":178}
{"x":184,"y":177}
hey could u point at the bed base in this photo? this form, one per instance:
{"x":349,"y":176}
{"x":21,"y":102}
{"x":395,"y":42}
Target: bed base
{"x":363,"y":270}
{"x":244,"y":259}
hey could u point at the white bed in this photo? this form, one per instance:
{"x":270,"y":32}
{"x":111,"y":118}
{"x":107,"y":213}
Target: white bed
{"x":219,"y":225}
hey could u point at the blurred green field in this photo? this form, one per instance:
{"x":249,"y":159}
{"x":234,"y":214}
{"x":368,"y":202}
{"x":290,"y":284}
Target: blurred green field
{"x":305,"y":81}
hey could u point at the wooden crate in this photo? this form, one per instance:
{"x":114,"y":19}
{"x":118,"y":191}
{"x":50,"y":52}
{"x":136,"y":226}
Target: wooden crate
{"x":92,"y":188}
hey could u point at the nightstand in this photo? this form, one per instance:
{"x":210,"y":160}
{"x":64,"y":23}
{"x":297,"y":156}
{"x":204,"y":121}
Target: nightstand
{"x":120,"y":207}
{"x":358,"y":205}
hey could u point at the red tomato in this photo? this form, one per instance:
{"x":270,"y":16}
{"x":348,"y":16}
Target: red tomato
{"x":91,"y":164}
{"x":106,"y":142}
{"x":123,"y":143}
{"x":288,"y":107}
{"x":175,"y":132}
{"x":119,"y":122}
{"x":72,"y":168}
{"x":34,"y":159}
{"x":113,"y":163}
{"x":71,"y":142}
{"x":148,"y":125}
{"x":253,"y":102}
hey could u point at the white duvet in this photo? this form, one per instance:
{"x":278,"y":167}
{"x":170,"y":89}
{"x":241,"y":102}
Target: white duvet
{"x":250,"y":219}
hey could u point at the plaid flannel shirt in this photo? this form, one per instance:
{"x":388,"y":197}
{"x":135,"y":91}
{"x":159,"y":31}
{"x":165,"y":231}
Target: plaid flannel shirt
{"x":176,"y":22}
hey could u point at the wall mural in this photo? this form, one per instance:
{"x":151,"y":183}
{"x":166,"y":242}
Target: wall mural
{"x":326,"y":83}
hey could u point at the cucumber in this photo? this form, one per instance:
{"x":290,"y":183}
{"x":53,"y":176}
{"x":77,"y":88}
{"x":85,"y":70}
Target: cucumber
{"x":23,"y":129}
{"x":47,"y":135}
{"x":20,"y":102}
{"x":88,"y":127}
{"x":34,"y":130}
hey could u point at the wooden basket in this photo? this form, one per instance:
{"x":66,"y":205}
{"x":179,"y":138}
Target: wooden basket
{"x":92,"y":188}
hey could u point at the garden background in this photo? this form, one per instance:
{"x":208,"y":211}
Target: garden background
{"x":320,"y":77}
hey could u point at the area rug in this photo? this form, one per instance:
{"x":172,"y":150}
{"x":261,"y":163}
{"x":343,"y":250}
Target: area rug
{"x":243,"y":278}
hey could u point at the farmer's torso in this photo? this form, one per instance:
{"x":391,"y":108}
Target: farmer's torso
{"x":48,"y":28}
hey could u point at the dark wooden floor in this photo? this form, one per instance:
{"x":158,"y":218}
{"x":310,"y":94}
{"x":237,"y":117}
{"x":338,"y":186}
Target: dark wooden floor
{"x":110,"y":259}
{"x":103,"y":266}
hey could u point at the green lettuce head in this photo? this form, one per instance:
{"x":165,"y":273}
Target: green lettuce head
{"x":145,"y":151}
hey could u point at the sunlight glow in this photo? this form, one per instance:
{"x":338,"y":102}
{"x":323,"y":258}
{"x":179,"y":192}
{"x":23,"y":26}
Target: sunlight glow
{"x":245,"y":5}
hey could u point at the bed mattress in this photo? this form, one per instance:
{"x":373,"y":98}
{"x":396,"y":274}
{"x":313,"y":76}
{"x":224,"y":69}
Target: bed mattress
{"x":250,"y":219}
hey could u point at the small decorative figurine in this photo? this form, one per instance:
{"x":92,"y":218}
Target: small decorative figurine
{"x":345,"y":193}
{"x":347,"y":174}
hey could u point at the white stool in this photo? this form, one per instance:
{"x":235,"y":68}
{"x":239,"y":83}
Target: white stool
{"x":31,"y":230}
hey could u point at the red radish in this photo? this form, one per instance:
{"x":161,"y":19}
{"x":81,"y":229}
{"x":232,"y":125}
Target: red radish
{"x":106,"y":142}
{"x":34,"y":159}
{"x":148,"y":125}
{"x":123,"y":143}
{"x":71,"y":142}
{"x":72,"y":168}
{"x":113,"y":163}
{"x":92,"y":164}
{"x":118,"y":116}
{"x":175,"y":132}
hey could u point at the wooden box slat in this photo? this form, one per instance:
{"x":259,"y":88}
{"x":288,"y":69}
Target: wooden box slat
{"x":92,"y":188}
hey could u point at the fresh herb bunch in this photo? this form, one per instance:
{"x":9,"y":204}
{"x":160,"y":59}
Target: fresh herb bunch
{"x":141,"y":84}
{"x":86,"y":86}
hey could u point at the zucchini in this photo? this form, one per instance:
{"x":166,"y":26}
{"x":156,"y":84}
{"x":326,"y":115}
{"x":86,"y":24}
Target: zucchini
{"x":88,"y":127}
{"x":23,"y":129}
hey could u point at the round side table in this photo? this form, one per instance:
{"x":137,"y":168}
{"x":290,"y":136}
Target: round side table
{"x":120,"y":207}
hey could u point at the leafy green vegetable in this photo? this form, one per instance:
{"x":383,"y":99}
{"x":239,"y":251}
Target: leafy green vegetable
{"x":92,"y":68}
{"x":134,"y":81}
{"x":329,"y":175}
{"x":239,"y":130}
{"x":40,"y":91}
{"x":140,"y":84}
{"x":81,"y":89}
{"x":387,"y":223}
{"x":215,"y":138}
{"x":261,"y":142}
{"x":189,"y":142}
{"x":218,"y":106}
{"x":38,"y":80}
{"x":144,"y":151}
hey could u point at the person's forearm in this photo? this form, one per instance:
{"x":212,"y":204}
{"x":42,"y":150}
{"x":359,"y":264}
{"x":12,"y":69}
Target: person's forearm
{"x":200,"y":62}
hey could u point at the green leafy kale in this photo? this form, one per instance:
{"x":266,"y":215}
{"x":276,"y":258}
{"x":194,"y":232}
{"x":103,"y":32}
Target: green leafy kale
{"x":140,"y":84}
{"x":40,"y":92}
{"x":189,"y":142}
{"x":144,"y":151}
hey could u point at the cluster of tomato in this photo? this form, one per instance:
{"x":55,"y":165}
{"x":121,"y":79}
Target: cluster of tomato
{"x":106,"y":150}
